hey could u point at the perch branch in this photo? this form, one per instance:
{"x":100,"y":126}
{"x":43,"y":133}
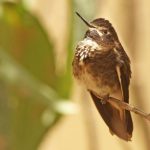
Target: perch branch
{"x":126,"y":106}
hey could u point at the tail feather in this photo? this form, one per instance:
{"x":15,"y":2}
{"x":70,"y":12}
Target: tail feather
{"x":121,"y":127}
{"x":129,"y":122}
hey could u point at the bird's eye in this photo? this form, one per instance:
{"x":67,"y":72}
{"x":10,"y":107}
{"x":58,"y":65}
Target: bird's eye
{"x":105,"y":31}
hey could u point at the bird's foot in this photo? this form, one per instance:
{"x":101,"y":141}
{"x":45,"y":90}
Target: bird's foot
{"x":104,"y":99}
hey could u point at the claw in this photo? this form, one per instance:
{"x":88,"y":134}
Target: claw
{"x":104,"y":99}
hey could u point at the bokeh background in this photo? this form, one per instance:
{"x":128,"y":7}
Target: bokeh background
{"x":41,"y":106}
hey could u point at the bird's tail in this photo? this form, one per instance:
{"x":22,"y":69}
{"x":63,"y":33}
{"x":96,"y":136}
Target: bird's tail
{"x":122,"y":127}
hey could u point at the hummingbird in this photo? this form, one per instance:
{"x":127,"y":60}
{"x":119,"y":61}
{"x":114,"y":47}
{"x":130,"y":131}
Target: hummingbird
{"x":102,"y":66}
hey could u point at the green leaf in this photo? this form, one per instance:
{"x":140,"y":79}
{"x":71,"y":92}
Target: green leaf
{"x":27,"y":78}
{"x":32,"y":95}
{"x":23,"y":37}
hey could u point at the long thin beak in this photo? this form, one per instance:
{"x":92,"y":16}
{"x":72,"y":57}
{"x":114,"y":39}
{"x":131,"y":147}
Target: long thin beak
{"x":88,"y":24}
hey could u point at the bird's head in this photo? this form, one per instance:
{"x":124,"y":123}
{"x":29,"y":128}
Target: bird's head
{"x":101,"y":31}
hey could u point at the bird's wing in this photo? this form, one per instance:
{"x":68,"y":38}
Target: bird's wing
{"x":124,"y":74}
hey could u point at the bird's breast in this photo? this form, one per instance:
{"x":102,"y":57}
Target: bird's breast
{"x":95,"y":69}
{"x":86,"y":49}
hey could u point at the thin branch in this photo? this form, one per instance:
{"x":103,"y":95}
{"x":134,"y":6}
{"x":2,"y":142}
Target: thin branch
{"x":126,"y":106}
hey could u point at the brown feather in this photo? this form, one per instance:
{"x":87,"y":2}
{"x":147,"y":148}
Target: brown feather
{"x":112,"y":118}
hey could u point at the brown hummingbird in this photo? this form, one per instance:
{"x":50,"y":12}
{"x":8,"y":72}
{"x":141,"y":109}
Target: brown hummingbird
{"x":103,"y":67}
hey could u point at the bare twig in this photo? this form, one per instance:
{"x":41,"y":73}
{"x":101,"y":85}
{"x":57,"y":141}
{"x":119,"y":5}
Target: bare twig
{"x":126,"y":106}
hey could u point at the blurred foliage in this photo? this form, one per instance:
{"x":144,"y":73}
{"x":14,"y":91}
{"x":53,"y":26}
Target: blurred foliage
{"x":32,"y":95}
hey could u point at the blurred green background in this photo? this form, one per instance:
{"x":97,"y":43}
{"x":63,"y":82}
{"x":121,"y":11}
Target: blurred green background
{"x":40,"y":105}
{"x":31,"y":90}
